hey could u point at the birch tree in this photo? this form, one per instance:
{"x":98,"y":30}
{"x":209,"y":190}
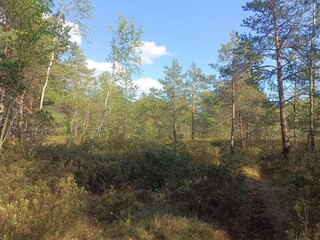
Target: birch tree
{"x":231,"y":72}
{"x":22,"y":31}
{"x":70,"y":19}
{"x":125,"y":59}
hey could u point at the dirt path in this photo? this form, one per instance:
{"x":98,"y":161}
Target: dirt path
{"x":266,"y":219}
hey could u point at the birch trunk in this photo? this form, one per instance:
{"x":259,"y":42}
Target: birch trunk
{"x":233,"y":117}
{"x":105,"y":109}
{"x":47,"y":79}
{"x":50,"y":63}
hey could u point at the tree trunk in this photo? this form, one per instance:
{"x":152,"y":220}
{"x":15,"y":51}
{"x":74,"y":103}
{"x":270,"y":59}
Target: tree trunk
{"x":241,"y":130}
{"x":85,"y":124}
{"x":46,"y":80}
{"x":105,"y":109}
{"x":295,"y":113}
{"x":175,"y":129}
{"x":311,"y":82}
{"x":74,"y":120}
{"x":2,"y":106}
{"x":174,"y":125}
{"x":126,"y":110}
{"x":282,"y":102}
{"x":4,"y":132}
{"x":21,"y":126}
{"x":233,"y":116}
{"x":50,"y":63}
{"x":193,"y":120}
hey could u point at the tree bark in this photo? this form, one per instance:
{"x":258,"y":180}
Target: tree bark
{"x":174,"y":124}
{"x":4,"y":132}
{"x":311,"y":82}
{"x":295,"y":113}
{"x":2,"y":106}
{"x":193,"y":120}
{"x":233,"y":115}
{"x":50,"y":64}
{"x":105,"y":109}
{"x":241,"y":130}
{"x":174,"y":128}
{"x":46,"y":80}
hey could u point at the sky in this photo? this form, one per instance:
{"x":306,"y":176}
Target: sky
{"x":185,"y":30}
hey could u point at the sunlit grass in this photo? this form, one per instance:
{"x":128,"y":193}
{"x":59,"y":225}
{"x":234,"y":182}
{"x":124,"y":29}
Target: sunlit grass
{"x":165,"y":227}
{"x":251,"y":172}
{"x":57,"y":139}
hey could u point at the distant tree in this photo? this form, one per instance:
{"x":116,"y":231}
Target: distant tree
{"x":125,"y":57}
{"x":150,"y":118}
{"x":197,"y":82}
{"x":238,"y":79}
{"x":231,"y":70}
{"x":173,"y":92}
{"x":78,"y":81}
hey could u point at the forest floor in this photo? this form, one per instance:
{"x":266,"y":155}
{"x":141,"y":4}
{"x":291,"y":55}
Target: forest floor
{"x":266,"y":219}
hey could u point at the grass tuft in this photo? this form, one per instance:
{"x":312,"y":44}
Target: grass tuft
{"x":251,"y":172}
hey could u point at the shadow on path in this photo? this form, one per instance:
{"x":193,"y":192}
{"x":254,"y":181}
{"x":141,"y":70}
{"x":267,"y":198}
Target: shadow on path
{"x":266,"y":220}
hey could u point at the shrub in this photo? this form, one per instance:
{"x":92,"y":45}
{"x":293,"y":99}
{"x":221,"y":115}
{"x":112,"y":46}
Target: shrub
{"x":35,"y":204}
{"x":203,"y":152}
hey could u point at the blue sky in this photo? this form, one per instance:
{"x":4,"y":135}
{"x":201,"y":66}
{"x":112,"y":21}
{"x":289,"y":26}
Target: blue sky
{"x":183,"y":29}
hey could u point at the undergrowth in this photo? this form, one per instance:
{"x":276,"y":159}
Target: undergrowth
{"x":297,"y":183}
{"x":136,"y":192}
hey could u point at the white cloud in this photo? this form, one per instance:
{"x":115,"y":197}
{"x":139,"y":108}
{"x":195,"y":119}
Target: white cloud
{"x":100,"y":67}
{"x":150,"y":51}
{"x":145,"y":84}
{"x":74,"y":33}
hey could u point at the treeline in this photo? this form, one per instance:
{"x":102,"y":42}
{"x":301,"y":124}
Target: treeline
{"x":47,"y":88}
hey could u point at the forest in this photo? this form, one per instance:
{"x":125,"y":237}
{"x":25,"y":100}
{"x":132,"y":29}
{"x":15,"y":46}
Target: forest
{"x":223,"y":156}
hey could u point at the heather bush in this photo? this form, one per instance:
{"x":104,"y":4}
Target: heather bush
{"x":63,"y":192}
{"x":38,"y":204}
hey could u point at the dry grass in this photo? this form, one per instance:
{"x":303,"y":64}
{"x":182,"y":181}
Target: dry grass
{"x":251,"y":173}
{"x":165,"y":227}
